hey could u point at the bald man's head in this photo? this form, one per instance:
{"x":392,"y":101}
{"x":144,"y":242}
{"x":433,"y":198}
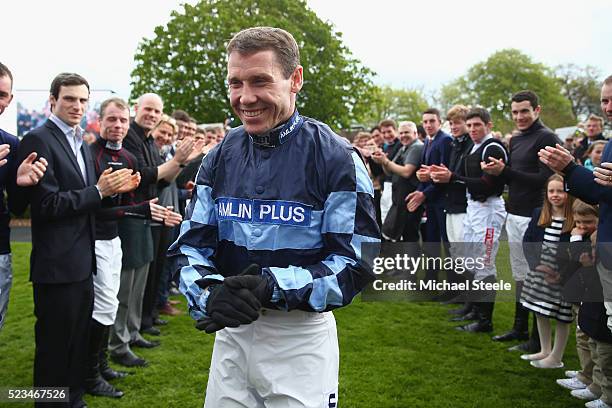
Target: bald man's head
{"x":149,"y":109}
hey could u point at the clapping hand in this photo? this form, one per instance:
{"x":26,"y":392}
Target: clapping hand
{"x":494,"y":167}
{"x":414,"y":200}
{"x":172,"y":218}
{"x":184,"y":151}
{"x":30,"y":172}
{"x":556,"y":158}
{"x":440,"y":174}
{"x":423,"y":174}
{"x":5,"y":149}
{"x":603,"y":174}
{"x":112,"y":182}
{"x":130,"y":184}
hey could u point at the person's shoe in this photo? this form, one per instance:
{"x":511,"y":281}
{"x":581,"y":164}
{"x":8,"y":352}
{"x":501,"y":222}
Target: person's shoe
{"x":101,"y":388}
{"x":571,"y":373}
{"x":462,"y":310}
{"x":159,"y":322}
{"x":533,"y":357}
{"x":169,"y":310}
{"x":471,"y":315}
{"x":128,"y":359}
{"x":598,"y":403}
{"x":571,"y":383}
{"x":110,"y":374}
{"x":584,"y":394}
{"x":476,"y":327}
{"x":511,"y":336}
{"x":78,"y":404}
{"x":525,"y":348}
{"x":542,"y":364}
{"x":153,"y":331}
{"x":142,"y":343}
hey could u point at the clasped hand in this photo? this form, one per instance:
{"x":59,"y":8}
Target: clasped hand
{"x":237,"y":300}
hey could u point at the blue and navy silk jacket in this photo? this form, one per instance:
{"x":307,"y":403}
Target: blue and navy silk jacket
{"x":300,"y":207}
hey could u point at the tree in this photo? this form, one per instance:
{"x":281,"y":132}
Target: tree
{"x":491,"y":83}
{"x":186,"y":61}
{"x":581,"y":86}
{"x":397,"y":104}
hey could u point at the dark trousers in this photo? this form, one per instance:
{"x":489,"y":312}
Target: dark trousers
{"x":167,"y":272}
{"x":377,"y":196}
{"x":63,"y":312}
{"x":411,"y":226}
{"x":161,"y":241}
{"x":435,"y":234}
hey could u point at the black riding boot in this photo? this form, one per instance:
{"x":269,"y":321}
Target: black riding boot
{"x":520,"y":329}
{"x":105,"y":370}
{"x":484,"y":324}
{"x":533,"y":344}
{"x":94,"y":383}
{"x":471,"y":313}
{"x":484,"y":306}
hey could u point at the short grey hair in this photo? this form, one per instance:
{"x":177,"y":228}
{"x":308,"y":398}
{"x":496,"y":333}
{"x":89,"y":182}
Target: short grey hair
{"x":410,"y":124}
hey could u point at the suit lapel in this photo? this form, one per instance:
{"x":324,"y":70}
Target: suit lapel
{"x":607,"y":153}
{"x":89,"y":168}
{"x":61,"y":138}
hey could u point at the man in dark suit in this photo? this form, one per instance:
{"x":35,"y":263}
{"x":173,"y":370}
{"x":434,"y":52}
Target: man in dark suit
{"x":62,"y":259}
{"x":435,"y":152}
{"x":27,"y":174}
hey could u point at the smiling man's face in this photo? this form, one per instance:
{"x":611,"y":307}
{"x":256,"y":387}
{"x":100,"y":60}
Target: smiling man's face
{"x":259,"y":93}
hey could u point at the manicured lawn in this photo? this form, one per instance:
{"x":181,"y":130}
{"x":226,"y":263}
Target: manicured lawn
{"x":393,"y":354}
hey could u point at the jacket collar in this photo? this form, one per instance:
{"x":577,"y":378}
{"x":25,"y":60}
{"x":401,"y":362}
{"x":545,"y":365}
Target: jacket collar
{"x":281,"y":133}
{"x":536,"y":125}
{"x":139,"y":130}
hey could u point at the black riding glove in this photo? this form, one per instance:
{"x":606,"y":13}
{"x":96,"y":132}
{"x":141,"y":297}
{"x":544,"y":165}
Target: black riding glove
{"x":251,"y":278}
{"x":249,"y":285}
{"x":231,"y":308}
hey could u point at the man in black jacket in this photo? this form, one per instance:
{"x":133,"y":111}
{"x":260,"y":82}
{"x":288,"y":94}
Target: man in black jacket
{"x":63,"y":204}
{"x":136,"y":237}
{"x":526,"y":177}
{"x":455,"y":200}
{"x":108,"y":152}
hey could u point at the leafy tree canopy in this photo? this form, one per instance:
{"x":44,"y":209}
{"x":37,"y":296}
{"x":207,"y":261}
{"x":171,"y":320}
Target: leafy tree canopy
{"x":582,"y":87}
{"x":186,"y":62}
{"x":397,"y":104}
{"x":492,"y":83}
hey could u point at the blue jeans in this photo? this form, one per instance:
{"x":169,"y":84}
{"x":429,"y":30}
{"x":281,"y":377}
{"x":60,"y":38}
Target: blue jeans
{"x":6,"y":279}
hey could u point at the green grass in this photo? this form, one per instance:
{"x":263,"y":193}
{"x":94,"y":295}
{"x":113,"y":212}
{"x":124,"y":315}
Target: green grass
{"x":393,"y":354}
